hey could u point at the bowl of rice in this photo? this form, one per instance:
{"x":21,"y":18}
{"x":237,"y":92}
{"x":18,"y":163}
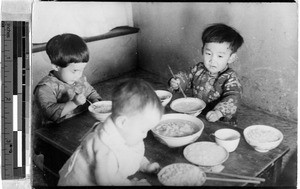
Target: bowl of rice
{"x":189,"y":105}
{"x":175,"y":130}
{"x":181,"y":174}
{"x":164,"y":96}
{"x":101,"y":110}
{"x":262,"y":137}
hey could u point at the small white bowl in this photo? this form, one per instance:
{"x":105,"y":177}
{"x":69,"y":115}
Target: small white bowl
{"x":164,"y":96}
{"x":189,"y":105}
{"x":177,"y":141}
{"x":262,"y":137}
{"x":228,"y":138}
{"x":101,"y":110}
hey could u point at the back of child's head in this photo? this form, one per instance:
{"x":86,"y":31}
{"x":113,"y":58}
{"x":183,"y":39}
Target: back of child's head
{"x":132,"y":96}
{"x":67,"y":48}
{"x":219,"y":33}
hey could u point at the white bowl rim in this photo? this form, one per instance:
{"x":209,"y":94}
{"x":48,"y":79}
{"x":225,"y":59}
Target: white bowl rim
{"x":189,"y":165}
{"x":105,"y":102}
{"x":206,"y":142}
{"x":165,"y":116}
{"x":187,"y":98}
{"x":165,"y":92}
{"x":247,"y":129}
{"x":227,"y":129}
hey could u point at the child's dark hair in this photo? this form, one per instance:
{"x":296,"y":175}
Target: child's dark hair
{"x":132,"y":96}
{"x":67,"y":48}
{"x":219,"y":33}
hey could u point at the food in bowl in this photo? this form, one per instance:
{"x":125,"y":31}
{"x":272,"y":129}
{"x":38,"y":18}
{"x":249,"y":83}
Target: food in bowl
{"x":262,"y":137}
{"x":176,"y":128}
{"x":205,"y":153}
{"x":101,"y":110}
{"x":164,"y":96}
{"x":187,"y":129}
{"x":189,"y":105}
{"x":181,"y":174}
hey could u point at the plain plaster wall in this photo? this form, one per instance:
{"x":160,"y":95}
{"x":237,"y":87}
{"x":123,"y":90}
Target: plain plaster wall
{"x":170,"y":33}
{"x":108,"y":58}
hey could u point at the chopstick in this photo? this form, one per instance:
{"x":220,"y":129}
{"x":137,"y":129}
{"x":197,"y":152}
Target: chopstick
{"x":89,"y":101}
{"x":233,"y":180}
{"x":238,"y":176}
{"x":174,"y":78}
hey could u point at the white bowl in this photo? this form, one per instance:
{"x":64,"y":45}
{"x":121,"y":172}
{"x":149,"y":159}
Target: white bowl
{"x":262,"y":137}
{"x":181,"y":174}
{"x":104,"y":107}
{"x":189,"y":105}
{"x":164,"y":96}
{"x":207,"y":154}
{"x":178,"y":120}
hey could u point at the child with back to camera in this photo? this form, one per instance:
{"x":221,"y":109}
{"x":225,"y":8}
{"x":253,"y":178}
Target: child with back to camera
{"x":63,"y":92}
{"x":214,"y":81}
{"x":114,"y":150}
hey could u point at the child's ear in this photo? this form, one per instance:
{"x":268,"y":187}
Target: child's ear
{"x":232,"y":58}
{"x":120,"y":121}
{"x":55,"y":67}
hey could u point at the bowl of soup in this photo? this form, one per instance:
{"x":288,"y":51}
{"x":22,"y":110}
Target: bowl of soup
{"x":101,"y":110}
{"x":175,"y":130}
{"x":164,"y":96}
{"x":188,"y":105}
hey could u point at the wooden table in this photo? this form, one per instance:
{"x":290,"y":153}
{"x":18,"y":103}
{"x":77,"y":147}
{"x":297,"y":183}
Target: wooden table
{"x":60,"y":141}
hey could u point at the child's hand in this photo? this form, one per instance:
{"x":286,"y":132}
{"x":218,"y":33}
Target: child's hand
{"x":142,"y":182}
{"x":213,"y":116}
{"x":152,"y":167}
{"x":79,"y":99}
{"x":174,"y":83}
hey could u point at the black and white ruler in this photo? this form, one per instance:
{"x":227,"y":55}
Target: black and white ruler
{"x":14,"y":97}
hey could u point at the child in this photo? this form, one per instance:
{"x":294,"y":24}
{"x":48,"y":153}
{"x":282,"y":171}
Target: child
{"x":213,"y":81}
{"x":63,"y":92}
{"x":115,"y":149}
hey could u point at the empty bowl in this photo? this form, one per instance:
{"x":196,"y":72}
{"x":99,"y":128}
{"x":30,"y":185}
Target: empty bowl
{"x":189,"y":105}
{"x":175,"y":130}
{"x":262,"y":137}
{"x":101,"y":110}
{"x":164,"y":96}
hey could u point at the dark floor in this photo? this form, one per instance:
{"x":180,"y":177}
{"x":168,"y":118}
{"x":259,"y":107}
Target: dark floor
{"x":248,"y":116}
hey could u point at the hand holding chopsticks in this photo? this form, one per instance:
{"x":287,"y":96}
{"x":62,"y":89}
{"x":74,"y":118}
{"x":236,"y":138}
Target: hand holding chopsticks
{"x":175,"y":78}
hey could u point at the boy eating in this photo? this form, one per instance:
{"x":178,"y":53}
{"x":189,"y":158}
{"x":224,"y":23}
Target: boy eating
{"x":115,"y":149}
{"x":63,"y":92}
{"x":214,"y":81}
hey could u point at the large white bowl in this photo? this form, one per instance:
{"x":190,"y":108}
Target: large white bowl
{"x":189,"y":105}
{"x":101,"y":116}
{"x":164,"y":96}
{"x":178,"y":141}
{"x":262,"y":137}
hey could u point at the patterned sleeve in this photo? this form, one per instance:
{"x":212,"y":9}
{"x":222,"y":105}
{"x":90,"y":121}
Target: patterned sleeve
{"x":47,"y":101}
{"x":186,"y":78}
{"x":231,"y":96}
{"x":91,"y":93}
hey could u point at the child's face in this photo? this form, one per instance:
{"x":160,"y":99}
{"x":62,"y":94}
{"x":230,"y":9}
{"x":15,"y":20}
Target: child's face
{"x":136,"y":127}
{"x":71,"y":73}
{"x":217,"y":56}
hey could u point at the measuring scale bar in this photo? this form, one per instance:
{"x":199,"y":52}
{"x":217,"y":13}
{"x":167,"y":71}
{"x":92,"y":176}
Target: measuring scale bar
{"x":14,"y":67}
